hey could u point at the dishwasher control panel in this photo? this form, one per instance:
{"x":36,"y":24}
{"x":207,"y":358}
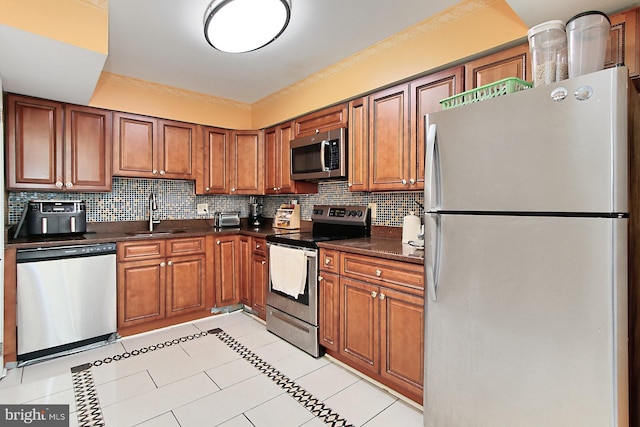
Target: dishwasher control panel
{"x":58,"y":252}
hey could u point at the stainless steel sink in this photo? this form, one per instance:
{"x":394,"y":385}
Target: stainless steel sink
{"x":147,"y":233}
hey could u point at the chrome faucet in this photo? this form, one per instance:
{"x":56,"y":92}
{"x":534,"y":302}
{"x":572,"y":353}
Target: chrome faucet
{"x":153,"y":206}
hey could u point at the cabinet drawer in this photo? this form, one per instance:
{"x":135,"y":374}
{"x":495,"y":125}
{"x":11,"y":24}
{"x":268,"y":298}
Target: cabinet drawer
{"x":401,"y":275}
{"x":147,"y":249}
{"x":185,"y":246}
{"x":259,"y":246}
{"x":330,"y":261}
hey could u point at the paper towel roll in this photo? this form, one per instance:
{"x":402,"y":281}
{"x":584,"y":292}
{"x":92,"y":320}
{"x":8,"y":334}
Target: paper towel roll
{"x":410,"y":227}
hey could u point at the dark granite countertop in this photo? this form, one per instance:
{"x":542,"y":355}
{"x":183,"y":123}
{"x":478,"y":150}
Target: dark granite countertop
{"x":378,"y":247}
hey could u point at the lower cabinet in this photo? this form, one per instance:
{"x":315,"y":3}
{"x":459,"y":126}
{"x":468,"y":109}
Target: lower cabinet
{"x":259,"y":277}
{"x":159,"y":279}
{"x":372,"y":318}
{"x":226,"y":259}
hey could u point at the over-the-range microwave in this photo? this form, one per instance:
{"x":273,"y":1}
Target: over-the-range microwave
{"x":320,"y":156}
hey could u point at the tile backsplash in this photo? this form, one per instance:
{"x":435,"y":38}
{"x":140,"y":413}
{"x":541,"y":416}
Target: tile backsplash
{"x":128,"y":201}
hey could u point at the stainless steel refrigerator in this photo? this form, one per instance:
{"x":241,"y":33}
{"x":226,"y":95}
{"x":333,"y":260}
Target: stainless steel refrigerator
{"x":526,"y":257}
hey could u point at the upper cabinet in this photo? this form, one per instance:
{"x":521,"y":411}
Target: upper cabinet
{"x":320,"y":121}
{"x":513,"y":62}
{"x":623,"y":42}
{"x":57,"y":147}
{"x":213,"y":178}
{"x":147,"y":147}
{"x":246,"y":162}
{"x":358,"y":145}
{"x":278,"y":163}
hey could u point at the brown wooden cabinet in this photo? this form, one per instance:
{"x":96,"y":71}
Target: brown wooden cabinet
{"x":512,"y":62}
{"x":426,"y":93}
{"x":57,"y":147}
{"x":334,"y":117}
{"x":246,"y":162}
{"x":358,"y":145}
{"x":624,"y":42}
{"x":278,"y":163}
{"x":226,"y":260}
{"x":160,"y":278}
{"x":213,"y":178}
{"x":259,"y":277}
{"x":148,"y":147}
{"x":246,"y":294}
{"x":372,"y":317}
{"x":389,"y":157}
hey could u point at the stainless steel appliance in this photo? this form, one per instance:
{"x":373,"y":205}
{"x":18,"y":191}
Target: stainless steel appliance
{"x":56,"y":217}
{"x":226,"y":219}
{"x":319,"y":156}
{"x":66,"y":298}
{"x":292,"y":296}
{"x":255,"y":212}
{"x":526,"y":262}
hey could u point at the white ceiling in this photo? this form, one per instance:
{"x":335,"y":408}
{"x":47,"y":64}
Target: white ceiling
{"x":162,"y":41}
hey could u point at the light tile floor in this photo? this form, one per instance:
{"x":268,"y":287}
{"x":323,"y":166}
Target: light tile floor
{"x":204,"y":381}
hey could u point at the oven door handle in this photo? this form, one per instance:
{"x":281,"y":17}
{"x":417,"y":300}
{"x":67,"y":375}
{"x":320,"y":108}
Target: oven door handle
{"x":308,"y":252}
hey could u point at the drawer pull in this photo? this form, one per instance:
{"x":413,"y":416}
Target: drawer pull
{"x":378,"y":273}
{"x":374,"y":294}
{"x":327,"y":261}
{"x":258,"y":246}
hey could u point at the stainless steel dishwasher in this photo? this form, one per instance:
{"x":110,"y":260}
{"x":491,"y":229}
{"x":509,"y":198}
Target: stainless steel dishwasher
{"x":66,"y":298}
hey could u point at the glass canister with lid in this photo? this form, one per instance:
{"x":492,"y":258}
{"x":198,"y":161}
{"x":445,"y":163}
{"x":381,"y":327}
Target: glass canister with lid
{"x":548,"y":47}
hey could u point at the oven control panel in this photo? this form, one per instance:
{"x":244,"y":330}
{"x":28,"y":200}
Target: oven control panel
{"x":341,"y":214}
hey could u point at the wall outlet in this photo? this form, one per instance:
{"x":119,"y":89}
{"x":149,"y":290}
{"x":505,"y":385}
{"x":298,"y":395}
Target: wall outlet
{"x":373,"y":207}
{"x":202,"y":208}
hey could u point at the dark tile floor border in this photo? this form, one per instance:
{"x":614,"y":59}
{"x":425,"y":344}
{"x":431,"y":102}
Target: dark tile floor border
{"x":88,"y":408}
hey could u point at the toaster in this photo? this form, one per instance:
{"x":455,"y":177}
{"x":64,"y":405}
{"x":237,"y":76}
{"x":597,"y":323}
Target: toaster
{"x":226,"y":219}
{"x":45,"y":217}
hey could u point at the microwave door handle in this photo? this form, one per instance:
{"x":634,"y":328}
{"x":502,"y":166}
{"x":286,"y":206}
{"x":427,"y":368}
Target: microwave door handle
{"x":323,"y":144}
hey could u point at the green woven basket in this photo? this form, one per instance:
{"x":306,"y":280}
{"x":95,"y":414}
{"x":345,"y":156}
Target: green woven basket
{"x":492,"y":90}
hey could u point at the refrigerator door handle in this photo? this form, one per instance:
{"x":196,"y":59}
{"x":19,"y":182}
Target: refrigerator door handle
{"x":430,"y":187}
{"x":432,"y":253}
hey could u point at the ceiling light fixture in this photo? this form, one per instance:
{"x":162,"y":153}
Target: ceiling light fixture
{"x":238,"y":26}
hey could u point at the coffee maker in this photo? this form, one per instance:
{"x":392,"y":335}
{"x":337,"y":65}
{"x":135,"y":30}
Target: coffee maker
{"x":255,"y":212}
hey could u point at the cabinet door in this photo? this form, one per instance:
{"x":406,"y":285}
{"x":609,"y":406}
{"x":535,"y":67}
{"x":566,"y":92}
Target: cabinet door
{"x":320,"y":121}
{"x":176,"y":150}
{"x":389,"y":139}
{"x":215,"y":179}
{"x":227,"y":270}
{"x":513,"y":62}
{"x":87,"y":158}
{"x":359,"y":331}
{"x":141,"y":291}
{"x":185,"y":284}
{"x":402,"y":339}
{"x":246,"y":162}
{"x":259,"y":277}
{"x":34,"y":144}
{"x":329,"y":304}
{"x":134,"y":145}
{"x":623,"y":43}
{"x":426,"y":94}
{"x":358,"y":156}
{"x":245,"y":270}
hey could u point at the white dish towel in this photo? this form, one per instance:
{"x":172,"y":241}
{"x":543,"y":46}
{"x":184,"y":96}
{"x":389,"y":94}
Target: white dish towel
{"x":288,"y":270}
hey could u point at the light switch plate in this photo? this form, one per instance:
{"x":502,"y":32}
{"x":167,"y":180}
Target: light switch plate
{"x":202,"y":208}
{"x":373,"y":207}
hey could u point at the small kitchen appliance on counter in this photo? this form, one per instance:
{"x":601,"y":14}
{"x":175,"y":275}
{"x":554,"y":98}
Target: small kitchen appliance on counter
{"x":255,"y":212}
{"x":45,"y":217}
{"x":226,"y":219}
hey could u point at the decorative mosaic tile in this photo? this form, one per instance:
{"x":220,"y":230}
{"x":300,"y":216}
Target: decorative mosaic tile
{"x":129,"y":199}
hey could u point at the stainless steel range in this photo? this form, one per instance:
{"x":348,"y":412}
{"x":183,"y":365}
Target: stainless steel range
{"x":292,"y":297}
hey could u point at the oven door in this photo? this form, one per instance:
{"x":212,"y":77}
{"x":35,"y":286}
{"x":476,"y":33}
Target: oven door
{"x":305,"y":306}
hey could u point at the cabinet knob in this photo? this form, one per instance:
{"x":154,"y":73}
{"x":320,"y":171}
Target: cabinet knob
{"x":404,"y":182}
{"x":59,"y":184}
{"x":374,"y":294}
{"x":162,"y":172}
{"x":349,"y":185}
{"x":378,"y":273}
{"x":275,"y":189}
{"x":170,"y":263}
{"x":217,"y":242}
{"x":207,"y":189}
{"x":320,"y":278}
{"x":412,"y":181}
{"x":264,"y":262}
{"x":155,"y":171}
{"x":382,"y":296}
{"x":162,"y":264}
{"x":69,"y":184}
{"x":327,"y":261}
{"x":258,"y":246}
{"x":233,"y":189}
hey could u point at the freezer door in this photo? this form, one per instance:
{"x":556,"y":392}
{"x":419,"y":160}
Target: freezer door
{"x":526,"y":152}
{"x":528,"y":326}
